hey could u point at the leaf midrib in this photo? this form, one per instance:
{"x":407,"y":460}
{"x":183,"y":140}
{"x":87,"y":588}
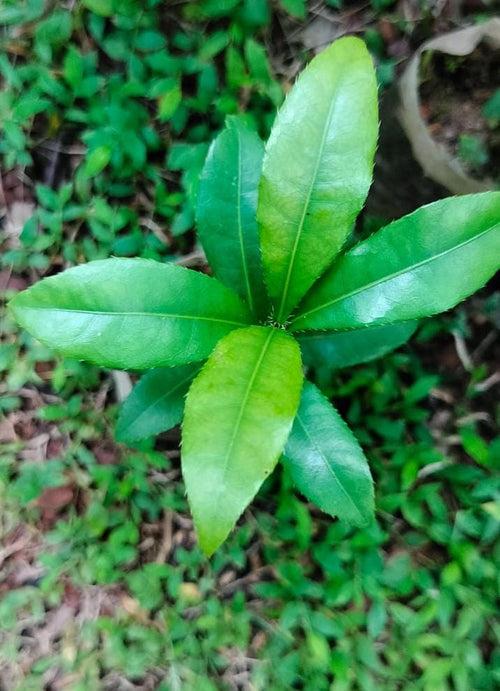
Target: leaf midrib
{"x":244,"y":402}
{"x":330,"y":469}
{"x":304,"y":210}
{"x":106,"y":313}
{"x":240,"y":227}
{"x":396,"y":274}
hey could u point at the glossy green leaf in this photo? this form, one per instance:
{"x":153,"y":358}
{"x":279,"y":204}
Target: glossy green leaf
{"x":226,"y":211}
{"x":317,"y":169}
{"x":239,"y":412}
{"x":420,"y":265}
{"x":155,"y":404}
{"x":326,"y":462}
{"x":130,"y":313}
{"x":347,"y":348}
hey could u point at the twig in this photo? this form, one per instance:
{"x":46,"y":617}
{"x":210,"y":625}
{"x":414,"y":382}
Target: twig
{"x":488,"y":340}
{"x":462,"y":352}
{"x":492,"y":380}
{"x":3,"y":201}
{"x":155,"y":229}
{"x":196,"y":257}
{"x":249,"y":579}
{"x":164,"y":478}
{"x":479,"y":416}
{"x":182,"y":521}
{"x":166,"y":543}
{"x":17,"y":546}
{"x":432,"y":468}
{"x":70,"y":150}
{"x":51,"y":170}
{"x":122,"y":384}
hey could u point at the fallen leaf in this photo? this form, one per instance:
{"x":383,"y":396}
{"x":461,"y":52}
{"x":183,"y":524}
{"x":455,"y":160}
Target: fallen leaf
{"x":17,"y":215}
{"x":7,"y":431}
{"x":53,"y":499}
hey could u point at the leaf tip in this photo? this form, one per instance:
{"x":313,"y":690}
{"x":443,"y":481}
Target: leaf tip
{"x":121,"y":435}
{"x":209,"y":544}
{"x":15,"y":309}
{"x":367,"y":515}
{"x":210,"y":536}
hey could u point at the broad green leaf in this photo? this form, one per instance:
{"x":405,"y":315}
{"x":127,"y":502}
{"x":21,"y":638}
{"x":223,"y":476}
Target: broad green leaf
{"x":213,"y":44}
{"x":317,"y":169}
{"x":169,"y":100}
{"x":211,"y":9}
{"x":104,"y":8}
{"x":420,"y":265}
{"x":97,"y":160}
{"x":326,"y":462}
{"x":28,"y":106}
{"x":130,"y":313}
{"x":226,"y":211}
{"x":297,"y":8}
{"x":239,"y":412}
{"x":155,"y":404}
{"x":149,"y":41}
{"x":347,"y":348}
{"x":257,"y":61}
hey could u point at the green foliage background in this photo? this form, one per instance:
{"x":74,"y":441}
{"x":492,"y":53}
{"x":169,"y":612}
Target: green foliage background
{"x":107,"y":109}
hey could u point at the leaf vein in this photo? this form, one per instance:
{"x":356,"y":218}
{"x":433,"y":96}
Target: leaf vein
{"x":304,"y":210}
{"x":240,"y":227}
{"x":243,"y":404}
{"x":396,"y":274}
{"x":330,"y":469}
{"x":161,"y":315}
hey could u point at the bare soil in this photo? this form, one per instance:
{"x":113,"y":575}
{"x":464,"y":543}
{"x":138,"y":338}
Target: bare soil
{"x":453,"y":93}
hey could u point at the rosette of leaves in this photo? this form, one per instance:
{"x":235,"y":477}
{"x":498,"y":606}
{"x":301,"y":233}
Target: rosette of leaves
{"x":224,"y":353}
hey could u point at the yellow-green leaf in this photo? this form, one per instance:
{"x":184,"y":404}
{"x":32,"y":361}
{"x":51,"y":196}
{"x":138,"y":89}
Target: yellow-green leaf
{"x":422,"y":264}
{"x":130,"y":313}
{"x":239,"y":411}
{"x":317,"y":169}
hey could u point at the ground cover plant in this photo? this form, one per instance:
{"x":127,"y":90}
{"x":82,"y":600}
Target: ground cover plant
{"x":102,"y":582}
{"x":240,"y":408}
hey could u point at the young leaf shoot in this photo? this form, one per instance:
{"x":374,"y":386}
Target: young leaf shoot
{"x":273,"y":222}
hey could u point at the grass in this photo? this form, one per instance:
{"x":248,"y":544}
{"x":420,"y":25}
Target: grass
{"x":102,"y":585}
